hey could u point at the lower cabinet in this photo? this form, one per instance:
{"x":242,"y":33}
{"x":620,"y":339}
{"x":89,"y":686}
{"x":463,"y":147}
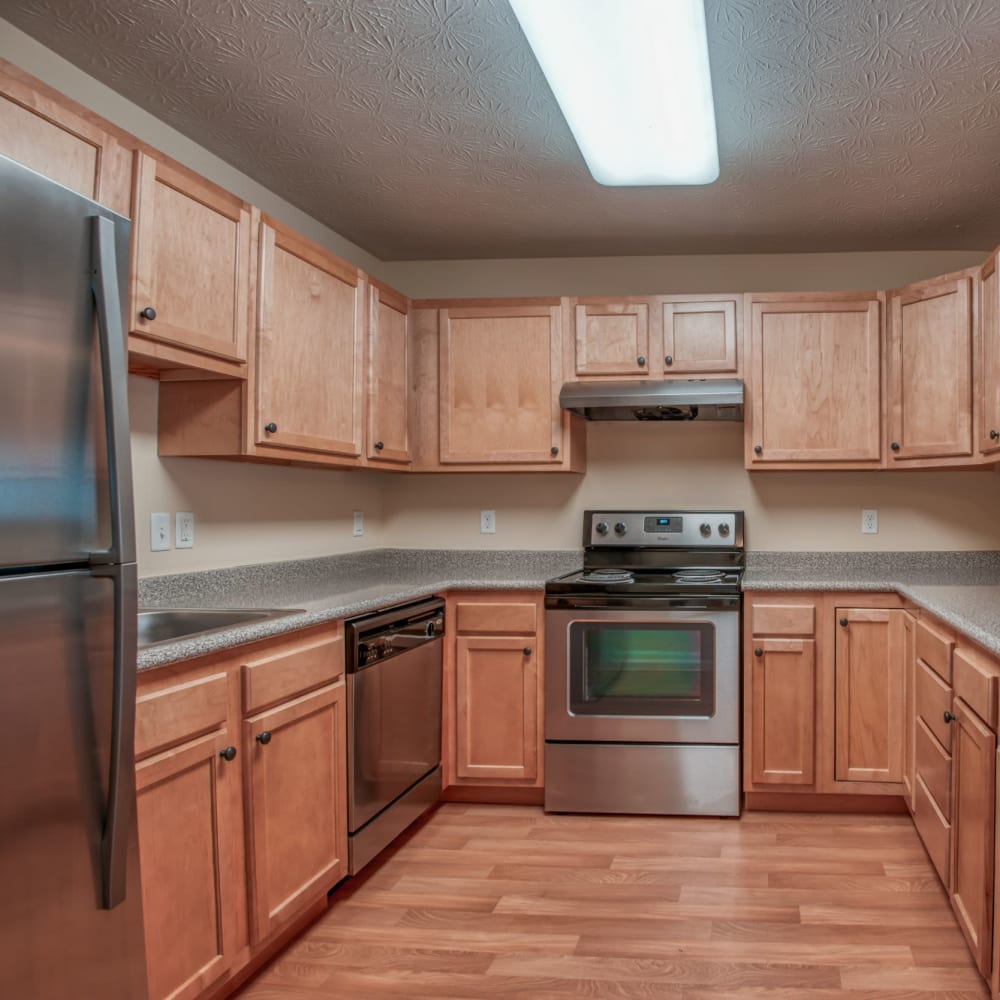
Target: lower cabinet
{"x":493,"y":690}
{"x":241,"y":803}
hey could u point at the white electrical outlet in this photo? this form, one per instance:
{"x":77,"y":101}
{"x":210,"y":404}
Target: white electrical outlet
{"x":487,"y":522}
{"x":159,"y":532}
{"x":869,"y":522}
{"x":184,"y":528}
{"x":359,"y":523}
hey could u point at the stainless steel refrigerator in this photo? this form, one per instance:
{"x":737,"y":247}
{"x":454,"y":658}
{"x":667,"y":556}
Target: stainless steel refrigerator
{"x":70,"y":904}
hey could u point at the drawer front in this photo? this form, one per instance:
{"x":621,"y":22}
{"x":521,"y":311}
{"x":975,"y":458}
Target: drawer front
{"x":176,"y":714}
{"x":933,"y":699}
{"x":976,"y":678}
{"x":783,"y":619}
{"x":292,"y":670}
{"x":933,"y":764}
{"x":934,"y":830}
{"x":496,"y":619}
{"x":935,"y":649}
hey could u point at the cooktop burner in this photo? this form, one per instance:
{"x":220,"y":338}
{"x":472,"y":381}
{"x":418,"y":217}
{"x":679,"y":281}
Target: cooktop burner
{"x":699,"y":575}
{"x":608,"y":576}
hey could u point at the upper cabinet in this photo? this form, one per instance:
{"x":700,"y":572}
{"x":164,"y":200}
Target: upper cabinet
{"x":43,"y":133}
{"x":989,"y":394}
{"x":931,"y":343}
{"x":611,"y":338}
{"x":191,"y":247}
{"x":387,"y":426}
{"x":814,"y":381}
{"x":701,"y":334}
{"x":310,"y":329}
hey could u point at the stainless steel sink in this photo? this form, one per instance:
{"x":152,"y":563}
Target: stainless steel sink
{"x":158,"y":625}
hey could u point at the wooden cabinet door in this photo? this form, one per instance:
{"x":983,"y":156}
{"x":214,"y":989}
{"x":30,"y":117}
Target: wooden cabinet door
{"x":989,"y":423}
{"x":612,"y":338}
{"x":700,"y":335}
{"x":500,"y":375}
{"x":974,"y":748}
{"x":309,"y":347}
{"x":190,"y":826}
{"x":190,"y":262}
{"x":496,"y":695}
{"x":870,"y":705}
{"x":388,"y":376}
{"x":814,"y":381}
{"x":930,"y":370}
{"x":296,"y":805}
{"x":45,"y":135}
{"x":909,"y":706}
{"x":783,"y":711}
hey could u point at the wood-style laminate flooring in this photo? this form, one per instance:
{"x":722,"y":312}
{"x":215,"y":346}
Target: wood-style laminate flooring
{"x":503,"y":901}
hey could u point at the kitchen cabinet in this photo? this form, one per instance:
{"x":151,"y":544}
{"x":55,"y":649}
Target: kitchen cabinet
{"x":309,"y":348}
{"x":989,"y":410}
{"x":611,"y":337}
{"x":57,"y":138}
{"x":814,"y":381}
{"x":702,"y":334}
{"x":930,"y":349}
{"x":870,"y":695}
{"x":493,"y":691}
{"x":191,"y":246}
{"x":387,"y":410}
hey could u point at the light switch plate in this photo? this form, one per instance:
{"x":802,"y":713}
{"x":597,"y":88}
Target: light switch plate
{"x":359,"y":523}
{"x":159,"y":532}
{"x":184,"y":522}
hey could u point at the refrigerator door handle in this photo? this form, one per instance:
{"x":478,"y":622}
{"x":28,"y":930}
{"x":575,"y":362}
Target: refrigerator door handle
{"x":114,"y":371}
{"x":121,"y":777}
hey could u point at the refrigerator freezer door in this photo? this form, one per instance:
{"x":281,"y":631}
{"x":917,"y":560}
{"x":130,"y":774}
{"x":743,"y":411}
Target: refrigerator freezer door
{"x":54,"y":500}
{"x":56,"y":720}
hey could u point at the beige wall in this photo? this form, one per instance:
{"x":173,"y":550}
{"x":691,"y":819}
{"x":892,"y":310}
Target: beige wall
{"x":691,"y":465}
{"x":244,"y":513}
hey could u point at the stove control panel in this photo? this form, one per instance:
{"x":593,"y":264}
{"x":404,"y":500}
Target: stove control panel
{"x":682,"y":529}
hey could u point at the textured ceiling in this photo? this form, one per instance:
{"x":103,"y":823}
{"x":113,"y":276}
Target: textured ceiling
{"x":424,"y":129}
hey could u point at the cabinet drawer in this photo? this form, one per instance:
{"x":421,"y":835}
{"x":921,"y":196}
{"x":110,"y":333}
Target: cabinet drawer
{"x":783,"y":619}
{"x":934,"y":648}
{"x":933,"y":764}
{"x":933,"y":699}
{"x":176,"y":714}
{"x":292,"y":670}
{"x":976,"y":679}
{"x":495,"y":619}
{"x":934,"y":830}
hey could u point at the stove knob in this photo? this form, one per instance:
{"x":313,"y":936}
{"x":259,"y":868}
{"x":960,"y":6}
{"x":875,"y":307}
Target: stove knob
{"x":706,"y":530}
{"x":601,"y":527}
{"x":724,"y":530}
{"x":620,"y":528}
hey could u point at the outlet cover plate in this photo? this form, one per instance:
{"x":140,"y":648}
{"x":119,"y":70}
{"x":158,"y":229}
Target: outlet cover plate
{"x":184,"y":529}
{"x":487,"y":522}
{"x":359,"y":523}
{"x":869,"y":522}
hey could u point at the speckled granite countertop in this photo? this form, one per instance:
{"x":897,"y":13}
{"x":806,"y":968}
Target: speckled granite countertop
{"x":335,"y":587}
{"x":961,"y":588}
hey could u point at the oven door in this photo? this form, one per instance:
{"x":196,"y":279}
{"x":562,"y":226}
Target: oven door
{"x":642,"y":676}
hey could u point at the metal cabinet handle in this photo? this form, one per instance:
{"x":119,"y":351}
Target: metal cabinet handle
{"x":554,"y":450}
{"x":228,"y":754}
{"x":264,"y":738}
{"x":894,"y":446}
{"x":271,"y":427}
{"x":757,"y":449}
{"x":379,"y":445}
{"x":843,"y":621}
{"x":948,"y":717}
{"x":527,"y":651}
{"x":148,"y":313}
{"x":994,"y":435}
{"x":669,"y":359}
{"x":758,"y":651}
{"x":641,"y":361}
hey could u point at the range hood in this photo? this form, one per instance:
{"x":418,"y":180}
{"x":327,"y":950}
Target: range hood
{"x":669,"y":399}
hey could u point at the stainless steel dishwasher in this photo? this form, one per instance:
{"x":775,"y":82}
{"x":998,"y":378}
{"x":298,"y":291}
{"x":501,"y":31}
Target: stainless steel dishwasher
{"x":394,"y":662}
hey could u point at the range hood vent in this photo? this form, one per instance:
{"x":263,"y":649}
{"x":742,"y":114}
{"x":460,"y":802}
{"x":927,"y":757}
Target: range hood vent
{"x":670,"y":399}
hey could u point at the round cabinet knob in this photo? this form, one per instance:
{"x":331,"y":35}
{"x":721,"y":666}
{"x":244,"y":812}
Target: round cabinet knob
{"x":757,"y":449}
{"x":228,"y":754}
{"x":724,"y":530}
{"x":148,"y":313}
{"x":554,"y":450}
{"x":758,"y":651}
{"x":271,"y":427}
{"x":894,"y":446}
{"x":706,"y":530}
{"x":379,"y":445}
{"x":527,"y":651}
{"x":948,"y":717}
{"x":601,"y":527}
{"x":264,"y":738}
{"x":669,"y":359}
{"x":843,"y":621}
{"x":994,"y":435}
{"x":621,"y":528}
{"x":640,"y":361}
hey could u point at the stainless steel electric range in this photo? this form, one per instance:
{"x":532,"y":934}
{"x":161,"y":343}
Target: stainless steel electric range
{"x":642,"y":666}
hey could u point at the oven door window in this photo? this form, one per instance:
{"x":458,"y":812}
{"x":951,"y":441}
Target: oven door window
{"x":647,"y":668}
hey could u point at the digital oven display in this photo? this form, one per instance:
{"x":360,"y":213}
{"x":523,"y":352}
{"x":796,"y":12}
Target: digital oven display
{"x":660,"y":524}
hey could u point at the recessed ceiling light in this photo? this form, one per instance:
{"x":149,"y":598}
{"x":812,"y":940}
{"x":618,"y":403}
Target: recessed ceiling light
{"x":632,"y":79}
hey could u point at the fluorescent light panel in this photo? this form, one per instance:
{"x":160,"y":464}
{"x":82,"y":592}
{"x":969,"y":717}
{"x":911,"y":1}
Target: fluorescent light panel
{"x":633,"y":81}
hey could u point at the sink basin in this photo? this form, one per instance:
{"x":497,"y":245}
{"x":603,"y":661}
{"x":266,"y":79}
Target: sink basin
{"x":158,"y":625}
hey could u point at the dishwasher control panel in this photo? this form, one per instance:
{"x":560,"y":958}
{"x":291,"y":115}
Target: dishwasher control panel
{"x":385,"y":634}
